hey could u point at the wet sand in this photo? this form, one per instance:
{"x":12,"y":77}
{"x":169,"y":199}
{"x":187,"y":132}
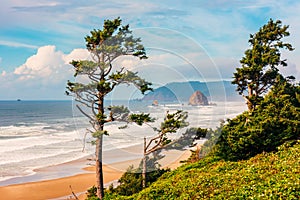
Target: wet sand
{"x":59,"y":188}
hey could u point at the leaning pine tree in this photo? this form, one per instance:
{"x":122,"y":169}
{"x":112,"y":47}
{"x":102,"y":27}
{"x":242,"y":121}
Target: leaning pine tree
{"x":171,"y":124}
{"x":105,"y":46}
{"x":260,"y":64}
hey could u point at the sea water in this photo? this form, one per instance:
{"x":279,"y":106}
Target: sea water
{"x":36,"y":134}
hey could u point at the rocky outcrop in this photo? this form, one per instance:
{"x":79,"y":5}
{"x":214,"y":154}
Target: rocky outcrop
{"x":155,"y":103}
{"x":197,"y":99}
{"x":181,"y":91}
{"x":162,"y":94}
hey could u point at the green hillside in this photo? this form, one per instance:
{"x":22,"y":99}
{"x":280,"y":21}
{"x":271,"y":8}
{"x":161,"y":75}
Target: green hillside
{"x":265,"y":176}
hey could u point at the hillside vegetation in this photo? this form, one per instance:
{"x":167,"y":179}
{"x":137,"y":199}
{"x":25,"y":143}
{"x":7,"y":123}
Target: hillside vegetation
{"x":265,"y":176}
{"x":255,"y":161}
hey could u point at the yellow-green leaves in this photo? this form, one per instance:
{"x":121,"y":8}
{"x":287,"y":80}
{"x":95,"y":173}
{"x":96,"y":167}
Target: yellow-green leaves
{"x":84,"y":67}
{"x":101,"y":118}
{"x":98,"y":134}
{"x":140,"y":119}
{"x":265,"y":176}
{"x":174,"y":121}
{"x":104,"y":87}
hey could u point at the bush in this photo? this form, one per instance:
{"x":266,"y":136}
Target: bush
{"x":265,"y":176}
{"x":275,"y":121}
{"x":131,"y":180}
{"x":92,"y":193}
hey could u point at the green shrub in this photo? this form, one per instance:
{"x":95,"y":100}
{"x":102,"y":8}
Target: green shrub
{"x":274,"y":122}
{"x":92,"y":193}
{"x":265,"y":176}
{"x":131,"y":181}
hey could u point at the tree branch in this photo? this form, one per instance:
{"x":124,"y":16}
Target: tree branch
{"x":109,"y":70}
{"x":153,"y":139}
{"x":154,"y":148}
{"x":84,"y":113}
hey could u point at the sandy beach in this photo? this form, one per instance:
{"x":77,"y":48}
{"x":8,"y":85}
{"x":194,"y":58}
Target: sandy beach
{"x":59,"y":188}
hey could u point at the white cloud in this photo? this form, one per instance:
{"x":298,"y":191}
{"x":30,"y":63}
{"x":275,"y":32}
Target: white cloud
{"x":49,"y":65}
{"x":45,"y":63}
{"x":64,"y":11}
{"x":77,"y":54}
{"x":218,"y":29}
{"x":17,"y":44}
{"x":42,"y":76}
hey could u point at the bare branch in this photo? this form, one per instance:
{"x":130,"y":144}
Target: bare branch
{"x":82,"y":102}
{"x":155,"y":147}
{"x":93,"y":108}
{"x":84,"y":113}
{"x":109,"y":70}
{"x":153,"y":139}
{"x":84,"y":139}
{"x":93,"y":77}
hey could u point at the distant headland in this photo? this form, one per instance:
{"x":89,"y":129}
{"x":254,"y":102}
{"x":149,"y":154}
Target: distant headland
{"x":182,"y":91}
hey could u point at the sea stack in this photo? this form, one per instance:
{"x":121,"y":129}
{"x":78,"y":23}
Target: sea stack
{"x":155,"y":103}
{"x":198,"y":99}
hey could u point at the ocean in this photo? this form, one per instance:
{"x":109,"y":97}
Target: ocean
{"x":37,"y":134}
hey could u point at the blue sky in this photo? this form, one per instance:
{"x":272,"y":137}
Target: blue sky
{"x":185,"y":40}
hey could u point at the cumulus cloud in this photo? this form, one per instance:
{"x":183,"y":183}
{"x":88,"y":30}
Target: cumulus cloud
{"x":49,"y":65}
{"x":77,"y":54}
{"x":43,"y":75}
{"x":42,"y":64}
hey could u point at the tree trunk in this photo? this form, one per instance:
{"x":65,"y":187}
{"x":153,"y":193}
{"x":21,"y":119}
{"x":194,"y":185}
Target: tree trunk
{"x":144,"y":165}
{"x":99,"y":170}
{"x":99,"y":142}
{"x":249,"y":99}
{"x":249,"y":105}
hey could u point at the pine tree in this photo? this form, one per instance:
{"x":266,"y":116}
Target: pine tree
{"x":105,"y":46}
{"x":260,"y":64}
{"x":171,"y":124}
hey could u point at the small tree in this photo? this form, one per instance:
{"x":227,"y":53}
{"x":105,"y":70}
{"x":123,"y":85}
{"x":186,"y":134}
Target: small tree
{"x":105,"y":46}
{"x":188,"y":140}
{"x":131,"y":181}
{"x":272,"y":123}
{"x":172,"y":122}
{"x":260,"y":63}
{"x":189,"y":137}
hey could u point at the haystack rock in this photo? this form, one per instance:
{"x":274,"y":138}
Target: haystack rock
{"x":198,"y":99}
{"x":155,"y":103}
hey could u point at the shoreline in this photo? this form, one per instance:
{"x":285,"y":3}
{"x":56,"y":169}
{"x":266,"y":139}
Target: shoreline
{"x":76,"y":166}
{"x":62,"y":170}
{"x":59,"y":188}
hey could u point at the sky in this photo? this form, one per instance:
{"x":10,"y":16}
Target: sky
{"x":185,"y":40}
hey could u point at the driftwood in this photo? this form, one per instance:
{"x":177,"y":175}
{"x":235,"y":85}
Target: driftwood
{"x":73,"y":193}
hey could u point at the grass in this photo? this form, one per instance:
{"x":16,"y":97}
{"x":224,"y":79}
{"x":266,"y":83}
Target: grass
{"x":274,"y":175}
